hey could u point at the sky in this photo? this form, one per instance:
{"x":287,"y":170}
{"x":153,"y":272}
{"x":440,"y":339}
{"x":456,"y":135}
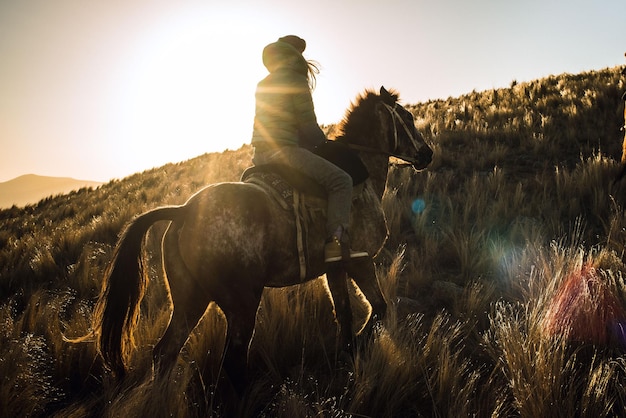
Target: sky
{"x":102,"y":89}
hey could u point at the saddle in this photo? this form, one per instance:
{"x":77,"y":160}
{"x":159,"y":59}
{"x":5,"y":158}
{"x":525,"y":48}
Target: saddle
{"x":285,"y":180}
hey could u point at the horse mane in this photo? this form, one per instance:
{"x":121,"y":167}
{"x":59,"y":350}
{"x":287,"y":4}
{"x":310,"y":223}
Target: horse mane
{"x":358,"y":121}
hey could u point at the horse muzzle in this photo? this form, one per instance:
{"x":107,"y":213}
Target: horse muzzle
{"x":423,"y":158}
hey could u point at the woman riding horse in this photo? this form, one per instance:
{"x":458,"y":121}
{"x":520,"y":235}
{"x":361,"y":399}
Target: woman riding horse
{"x":286,"y":132}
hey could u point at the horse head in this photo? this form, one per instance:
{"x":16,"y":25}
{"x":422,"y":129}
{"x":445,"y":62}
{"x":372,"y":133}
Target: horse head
{"x":378,"y":124}
{"x":406,"y":143}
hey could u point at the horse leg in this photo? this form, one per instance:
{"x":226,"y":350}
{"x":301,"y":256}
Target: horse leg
{"x":189,"y":304}
{"x":189,"y":298}
{"x":363,"y":273}
{"x":338,"y":284}
{"x":240,"y":311}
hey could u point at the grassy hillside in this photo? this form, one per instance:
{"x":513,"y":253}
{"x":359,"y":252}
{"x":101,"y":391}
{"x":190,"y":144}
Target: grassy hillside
{"x":515,"y":216}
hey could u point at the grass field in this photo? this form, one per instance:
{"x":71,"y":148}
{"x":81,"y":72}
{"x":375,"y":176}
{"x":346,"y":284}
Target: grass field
{"x":505,"y":273}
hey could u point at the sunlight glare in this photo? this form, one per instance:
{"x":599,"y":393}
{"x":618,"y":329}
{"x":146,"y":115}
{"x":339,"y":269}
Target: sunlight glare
{"x":189,"y":89}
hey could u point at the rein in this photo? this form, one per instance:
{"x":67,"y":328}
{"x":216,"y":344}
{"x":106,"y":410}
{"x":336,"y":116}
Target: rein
{"x":394,"y":116}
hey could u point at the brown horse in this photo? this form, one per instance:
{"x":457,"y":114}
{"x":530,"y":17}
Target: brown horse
{"x":230,"y":240}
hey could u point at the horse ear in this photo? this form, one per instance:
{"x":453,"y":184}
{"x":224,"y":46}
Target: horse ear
{"x":387,"y":97}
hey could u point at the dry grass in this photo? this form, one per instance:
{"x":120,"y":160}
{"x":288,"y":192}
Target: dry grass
{"x":556,"y":358}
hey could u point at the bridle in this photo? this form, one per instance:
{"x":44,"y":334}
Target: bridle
{"x":395,"y":116}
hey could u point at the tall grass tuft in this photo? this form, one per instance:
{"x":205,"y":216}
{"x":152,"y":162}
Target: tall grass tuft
{"x":27,"y":387}
{"x":585,"y":309}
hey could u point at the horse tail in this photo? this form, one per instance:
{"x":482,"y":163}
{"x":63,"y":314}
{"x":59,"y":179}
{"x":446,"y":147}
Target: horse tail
{"x":117,"y":310}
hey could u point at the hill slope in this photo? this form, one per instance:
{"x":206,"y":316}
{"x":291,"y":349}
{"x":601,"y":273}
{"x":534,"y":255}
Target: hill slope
{"x":31,"y":188}
{"x":530,"y":126}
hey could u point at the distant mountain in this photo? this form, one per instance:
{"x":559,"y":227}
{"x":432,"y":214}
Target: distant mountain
{"x":30,"y":188}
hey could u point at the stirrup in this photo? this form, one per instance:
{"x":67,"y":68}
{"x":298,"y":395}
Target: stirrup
{"x":335,"y":251}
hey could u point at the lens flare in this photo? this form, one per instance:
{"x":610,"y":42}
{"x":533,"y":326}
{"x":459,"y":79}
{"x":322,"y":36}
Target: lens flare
{"x":418,"y":206}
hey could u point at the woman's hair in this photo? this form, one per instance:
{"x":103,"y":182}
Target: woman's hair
{"x":313,"y":71}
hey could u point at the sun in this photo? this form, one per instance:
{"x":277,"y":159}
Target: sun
{"x":188,"y":88}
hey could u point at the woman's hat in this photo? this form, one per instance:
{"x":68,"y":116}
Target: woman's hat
{"x":295,"y":41}
{"x":276,"y":53}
